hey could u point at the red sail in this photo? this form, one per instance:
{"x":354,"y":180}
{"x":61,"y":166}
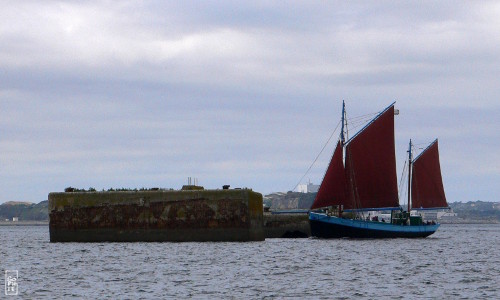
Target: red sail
{"x":332,"y":189}
{"x":427,"y":189}
{"x":371,"y":164}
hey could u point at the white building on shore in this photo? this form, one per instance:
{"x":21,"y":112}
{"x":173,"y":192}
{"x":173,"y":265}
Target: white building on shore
{"x":308,"y":188}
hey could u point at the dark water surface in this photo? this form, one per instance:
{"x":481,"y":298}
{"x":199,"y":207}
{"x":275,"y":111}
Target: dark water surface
{"x":457,"y":262}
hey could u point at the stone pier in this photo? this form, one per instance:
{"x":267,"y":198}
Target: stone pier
{"x":156,"y":216}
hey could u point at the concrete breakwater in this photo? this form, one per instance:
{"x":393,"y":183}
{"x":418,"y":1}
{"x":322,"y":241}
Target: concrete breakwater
{"x":286,"y":225}
{"x":156,"y":215}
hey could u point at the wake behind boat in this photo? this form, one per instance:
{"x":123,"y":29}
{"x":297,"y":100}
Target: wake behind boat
{"x":361,"y":178}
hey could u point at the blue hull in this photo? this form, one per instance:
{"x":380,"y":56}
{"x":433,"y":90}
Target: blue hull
{"x":324,"y":226}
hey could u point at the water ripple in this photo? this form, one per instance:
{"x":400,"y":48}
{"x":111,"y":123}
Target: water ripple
{"x":459,"y":261}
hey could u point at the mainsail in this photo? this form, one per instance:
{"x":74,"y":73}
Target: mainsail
{"x":371,"y":164}
{"x":427,"y":189}
{"x":332,"y":190}
{"x":369,"y":178}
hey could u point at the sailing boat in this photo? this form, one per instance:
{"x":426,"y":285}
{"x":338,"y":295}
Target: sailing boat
{"x":361,"y":177}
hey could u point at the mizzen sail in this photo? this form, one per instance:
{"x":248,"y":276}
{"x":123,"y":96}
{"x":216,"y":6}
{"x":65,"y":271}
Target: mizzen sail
{"x":370,"y":164}
{"x":427,"y":189}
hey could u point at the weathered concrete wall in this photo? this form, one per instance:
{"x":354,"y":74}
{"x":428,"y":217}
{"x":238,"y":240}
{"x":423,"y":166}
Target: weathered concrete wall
{"x":286,"y":225}
{"x":206,"y":215}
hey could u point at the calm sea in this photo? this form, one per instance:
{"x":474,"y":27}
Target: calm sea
{"x":457,"y":262}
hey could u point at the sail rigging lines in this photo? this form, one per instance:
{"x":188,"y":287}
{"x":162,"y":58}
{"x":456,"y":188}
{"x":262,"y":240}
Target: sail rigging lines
{"x":403,"y":181}
{"x":317,"y":157}
{"x":358,"y":122}
{"x":420,"y":146}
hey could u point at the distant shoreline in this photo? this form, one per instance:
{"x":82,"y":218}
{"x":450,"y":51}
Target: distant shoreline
{"x":24,"y":223}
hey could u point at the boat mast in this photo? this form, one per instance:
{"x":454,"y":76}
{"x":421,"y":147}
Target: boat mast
{"x":342,"y":137}
{"x":342,"y":142}
{"x":409,"y":176}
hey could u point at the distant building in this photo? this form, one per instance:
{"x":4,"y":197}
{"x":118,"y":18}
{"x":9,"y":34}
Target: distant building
{"x":15,"y":219}
{"x":308,"y":188}
{"x":446,"y":215}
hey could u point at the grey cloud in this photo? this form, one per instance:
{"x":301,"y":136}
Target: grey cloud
{"x":135,"y":94}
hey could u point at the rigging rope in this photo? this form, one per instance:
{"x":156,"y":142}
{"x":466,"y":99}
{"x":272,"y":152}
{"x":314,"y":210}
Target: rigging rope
{"x":367,"y":116}
{"x":355,"y":122}
{"x":401,"y":181}
{"x":310,"y":167}
{"x":359,"y":121}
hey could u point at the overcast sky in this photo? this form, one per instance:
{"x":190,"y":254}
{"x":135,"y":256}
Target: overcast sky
{"x":145,"y":94}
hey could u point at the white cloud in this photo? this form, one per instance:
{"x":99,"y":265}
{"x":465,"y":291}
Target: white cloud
{"x":129,"y":93}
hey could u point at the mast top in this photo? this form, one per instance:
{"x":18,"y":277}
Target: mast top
{"x":342,"y":137}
